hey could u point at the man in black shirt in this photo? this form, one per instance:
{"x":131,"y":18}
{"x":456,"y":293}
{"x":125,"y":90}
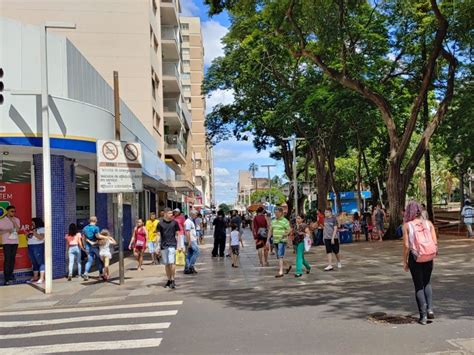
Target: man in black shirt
{"x":168,"y":230}
{"x":220,"y":225}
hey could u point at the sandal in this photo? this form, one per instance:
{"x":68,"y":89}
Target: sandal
{"x":278,"y":276}
{"x":287,"y":271}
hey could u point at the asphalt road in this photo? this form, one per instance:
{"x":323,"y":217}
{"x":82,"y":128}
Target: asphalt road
{"x":223,"y":310}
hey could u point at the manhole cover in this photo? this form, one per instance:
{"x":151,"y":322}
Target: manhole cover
{"x":385,"y":318}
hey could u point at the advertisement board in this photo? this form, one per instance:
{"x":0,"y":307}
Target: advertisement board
{"x":18,"y":195}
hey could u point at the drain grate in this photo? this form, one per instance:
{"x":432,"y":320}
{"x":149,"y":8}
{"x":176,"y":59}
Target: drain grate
{"x":384,"y":318}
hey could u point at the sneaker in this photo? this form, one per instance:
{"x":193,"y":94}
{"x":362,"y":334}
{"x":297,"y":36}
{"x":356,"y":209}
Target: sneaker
{"x":328,"y":268}
{"x":187,"y":272}
{"x":39,"y":282}
{"x":172,"y":284}
{"x":339,"y":265}
{"x":193,"y":270}
{"x":431,"y":314}
{"x":168,"y":284}
{"x":85,"y":277}
{"x":69,"y":278}
{"x":423,"y":319}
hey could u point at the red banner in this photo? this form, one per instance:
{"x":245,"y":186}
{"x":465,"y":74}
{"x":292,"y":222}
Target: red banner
{"x":18,"y":195}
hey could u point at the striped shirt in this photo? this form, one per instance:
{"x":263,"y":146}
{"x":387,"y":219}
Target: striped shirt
{"x":280,"y":229}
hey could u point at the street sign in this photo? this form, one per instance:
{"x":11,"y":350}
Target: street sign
{"x":119,"y":167}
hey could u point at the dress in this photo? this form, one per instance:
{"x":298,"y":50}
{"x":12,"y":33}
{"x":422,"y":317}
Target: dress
{"x":104,"y":250}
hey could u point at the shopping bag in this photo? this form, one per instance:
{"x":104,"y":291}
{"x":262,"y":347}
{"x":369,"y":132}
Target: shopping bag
{"x":307,"y":243}
{"x":180,"y":258}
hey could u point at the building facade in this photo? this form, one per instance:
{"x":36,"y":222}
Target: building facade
{"x":142,"y":40}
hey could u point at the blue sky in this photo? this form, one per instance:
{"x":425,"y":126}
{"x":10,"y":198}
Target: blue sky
{"x":232,"y":155}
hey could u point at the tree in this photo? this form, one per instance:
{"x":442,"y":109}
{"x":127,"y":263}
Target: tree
{"x":224,"y":207}
{"x":374,"y":49}
{"x":278,"y":197}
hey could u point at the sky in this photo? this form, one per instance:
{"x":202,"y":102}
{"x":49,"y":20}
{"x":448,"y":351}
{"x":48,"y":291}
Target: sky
{"x":231,"y":155}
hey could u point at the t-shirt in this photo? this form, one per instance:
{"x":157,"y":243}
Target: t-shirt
{"x":6,"y":223}
{"x":33,"y":240}
{"x":329,"y":226}
{"x":237,"y":221}
{"x":190,"y":226}
{"x":468,"y":214}
{"x":197,"y":223}
{"x":320,"y":220}
{"x":234,"y":238}
{"x":73,"y":240}
{"x":90,"y":232}
{"x":280,"y":228}
{"x":220,"y":226}
{"x":379,"y":216}
{"x":300,"y":233}
{"x":180,"y":220}
{"x":259,"y":221}
{"x":151,"y":229}
{"x":167,"y":230}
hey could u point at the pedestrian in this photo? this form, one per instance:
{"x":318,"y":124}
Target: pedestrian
{"x":320,"y":227}
{"x":192,"y":248}
{"x":378,"y":221}
{"x":468,"y":217}
{"x":235,"y":240}
{"x":9,"y":227}
{"x":91,"y":237}
{"x":301,"y":231}
{"x":220,"y":226}
{"x":280,"y":230}
{"x":365,"y":223}
{"x":138,"y":242}
{"x":168,"y":231}
{"x":73,"y":250}
{"x":151,"y":225}
{"x":199,"y":223}
{"x":356,"y":227}
{"x":180,"y":219}
{"x":331,"y":239}
{"x":36,"y":250}
{"x":104,"y":251}
{"x":419,"y":249}
{"x":260,"y":228}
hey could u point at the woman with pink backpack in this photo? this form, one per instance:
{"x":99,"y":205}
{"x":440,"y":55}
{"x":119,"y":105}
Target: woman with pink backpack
{"x":420,"y":247}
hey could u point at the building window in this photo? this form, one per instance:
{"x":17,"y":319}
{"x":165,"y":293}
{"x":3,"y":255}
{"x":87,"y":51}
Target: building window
{"x":187,"y":99}
{"x":187,"y":87}
{"x":153,"y":88}
{"x":185,"y":26}
{"x":185,"y":76}
{"x":186,"y":62}
{"x":156,"y":121}
{"x":185,"y":51}
{"x":185,"y":38}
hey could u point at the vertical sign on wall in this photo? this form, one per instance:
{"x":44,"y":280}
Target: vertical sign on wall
{"x":18,"y":195}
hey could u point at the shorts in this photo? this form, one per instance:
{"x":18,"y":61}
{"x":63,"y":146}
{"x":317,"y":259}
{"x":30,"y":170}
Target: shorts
{"x":105,"y":254}
{"x":281,"y":248}
{"x":235,"y":249}
{"x":380,"y":227}
{"x":199,"y":234}
{"x":260,"y":242}
{"x":332,"y":248}
{"x":169,"y":255}
{"x":152,"y":247}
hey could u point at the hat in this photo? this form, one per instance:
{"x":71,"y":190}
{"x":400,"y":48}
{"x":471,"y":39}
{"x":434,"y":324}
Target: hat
{"x":177,"y":210}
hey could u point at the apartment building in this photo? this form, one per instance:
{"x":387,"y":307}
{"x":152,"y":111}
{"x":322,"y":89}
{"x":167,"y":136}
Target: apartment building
{"x":141,"y":39}
{"x":192,"y":78}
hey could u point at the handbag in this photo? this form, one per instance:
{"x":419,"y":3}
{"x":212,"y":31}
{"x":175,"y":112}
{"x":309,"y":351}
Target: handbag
{"x":180,"y":258}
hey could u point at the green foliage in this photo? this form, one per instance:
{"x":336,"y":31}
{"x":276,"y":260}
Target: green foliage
{"x":224,"y":207}
{"x":277,"y":196}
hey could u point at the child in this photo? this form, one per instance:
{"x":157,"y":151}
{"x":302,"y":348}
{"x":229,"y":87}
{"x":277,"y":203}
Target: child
{"x":234,"y":240}
{"x":104,"y":250}
{"x":356,"y":227}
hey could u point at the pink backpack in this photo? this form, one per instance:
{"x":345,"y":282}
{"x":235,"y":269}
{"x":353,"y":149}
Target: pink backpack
{"x":422,"y":245}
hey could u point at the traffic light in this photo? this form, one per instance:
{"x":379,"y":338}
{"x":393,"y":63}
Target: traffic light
{"x":2,"y":86}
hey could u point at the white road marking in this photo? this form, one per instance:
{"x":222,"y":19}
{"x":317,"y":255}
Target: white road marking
{"x":79,"y":347}
{"x":88,"y":330}
{"x":91,"y":309}
{"x":104,"y":299}
{"x":30,"y":323}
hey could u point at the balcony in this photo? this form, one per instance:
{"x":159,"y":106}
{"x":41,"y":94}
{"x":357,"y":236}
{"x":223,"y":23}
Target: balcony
{"x":173,"y":113}
{"x":181,"y":184}
{"x":175,"y":148}
{"x":170,"y":42}
{"x":169,"y":12}
{"x":171,"y":78}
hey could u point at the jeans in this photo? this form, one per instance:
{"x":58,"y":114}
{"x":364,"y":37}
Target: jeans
{"x":36,"y":255}
{"x":300,"y":260}
{"x":192,"y":253}
{"x":75,"y":256}
{"x":93,"y":253}
{"x":319,"y":236}
{"x":9,"y":254}
{"x":421,"y":275}
{"x":219,"y":245}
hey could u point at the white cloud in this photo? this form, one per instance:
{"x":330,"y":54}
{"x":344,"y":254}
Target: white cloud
{"x":221,"y":171}
{"x":212,"y":32}
{"x":189,"y":8}
{"x":224,"y":97}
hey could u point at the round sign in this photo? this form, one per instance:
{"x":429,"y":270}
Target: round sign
{"x":110,"y":151}
{"x":131,"y":152}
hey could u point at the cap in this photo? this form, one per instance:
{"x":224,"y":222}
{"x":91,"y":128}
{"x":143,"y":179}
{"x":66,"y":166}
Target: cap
{"x":177,"y":210}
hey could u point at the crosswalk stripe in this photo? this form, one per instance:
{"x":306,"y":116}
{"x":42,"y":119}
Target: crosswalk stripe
{"x":91,"y":309}
{"x":29,"y":323}
{"x":88,"y":330}
{"x":79,"y":347}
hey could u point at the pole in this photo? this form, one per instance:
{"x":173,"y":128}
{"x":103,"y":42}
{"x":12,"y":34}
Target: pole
{"x":268,"y":166}
{"x":48,"y":238}
{"x":295,"y":183}
{"x":119,"y":195}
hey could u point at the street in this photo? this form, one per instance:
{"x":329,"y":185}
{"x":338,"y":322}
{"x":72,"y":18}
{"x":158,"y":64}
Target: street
{"x":223,"y":310}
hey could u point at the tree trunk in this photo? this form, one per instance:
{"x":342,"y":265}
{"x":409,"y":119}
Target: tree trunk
{"x":359,"y":177}
{"x":321,"y":177}
{"x":396,"y":191}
